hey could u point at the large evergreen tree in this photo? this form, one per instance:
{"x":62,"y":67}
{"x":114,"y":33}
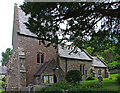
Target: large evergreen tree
{"x":81,"y":20}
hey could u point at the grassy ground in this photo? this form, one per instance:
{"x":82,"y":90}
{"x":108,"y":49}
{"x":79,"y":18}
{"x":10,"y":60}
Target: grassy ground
{"x":110,"y":84}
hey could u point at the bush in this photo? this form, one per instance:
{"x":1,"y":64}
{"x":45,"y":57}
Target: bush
{"x":118,"y":79}
{"x":73,"y":76}
{"x":94,"y":85}
{"x":52,"y":89}
{"x":90,"y":77}
{"x":39,"y":89}
{"x":62,"y":85}
{"x":2,"y":91}
{"x":3,"y":85}
{"x":3,"y":79}
{"x":114,"y":65}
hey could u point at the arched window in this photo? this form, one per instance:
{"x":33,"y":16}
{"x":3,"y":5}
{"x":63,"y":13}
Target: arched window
{"x":38,"y":58}
{"x":99,"y":72}
{"x":42,"y":58}
{"x":80,"y":68}
{"x":83,"y":69}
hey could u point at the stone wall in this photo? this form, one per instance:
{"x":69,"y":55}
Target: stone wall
{"x":75,"y":64}
{"x":115,"y":71}
{"x":102,"y":72}
{"x":16,"y":72}
{"x":31,"y":47}
{"x":12,"y":71}
{"x":51,"y":70}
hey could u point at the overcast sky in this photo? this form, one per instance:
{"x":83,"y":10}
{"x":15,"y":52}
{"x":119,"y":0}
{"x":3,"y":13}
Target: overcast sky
{"x":6,"y":23}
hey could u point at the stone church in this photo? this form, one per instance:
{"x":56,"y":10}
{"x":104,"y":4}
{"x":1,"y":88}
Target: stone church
{"x":33,"y":64}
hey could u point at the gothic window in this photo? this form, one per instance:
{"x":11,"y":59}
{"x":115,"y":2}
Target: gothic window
{"x":83,"y":69}
{"x":80,"y":68}
{"x":42,"y":58}
{"x":38,"y":58}
{"x":99,"y":72}
{"x":39,"y":42}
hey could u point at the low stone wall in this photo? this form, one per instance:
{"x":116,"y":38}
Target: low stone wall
{"x":115,"y":71}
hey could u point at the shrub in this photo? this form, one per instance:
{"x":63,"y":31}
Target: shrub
{"x":94,"y":85}
{"x":39,"y":89}
{"x":118,"y":79}
{"x":2,"y":91}
{"x":73,"y":76}
{"x":52,"y":89}
{"x":114,"y":65}
{"x":62,"y":85}
{"x":90,"y":77}
{"x":3,"y":79}
{"x":3,"y":85}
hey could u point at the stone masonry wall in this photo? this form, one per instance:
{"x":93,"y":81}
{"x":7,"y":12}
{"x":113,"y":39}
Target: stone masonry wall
{"x":49,"y":71}
{"x":12,"y":71}
{"x":102,"y":72}
{"x":75,"y":64}
{"x":31,"y":46}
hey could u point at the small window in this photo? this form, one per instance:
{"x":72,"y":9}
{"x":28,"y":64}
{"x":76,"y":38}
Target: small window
{"x":48,"y":79}
{"x":80,"y":68}
{"x":83,"y":69}
{"x":99,"y":72}
{"x":39,"y":42}
{"x":42,"y":58}
{"x":38,"y":58}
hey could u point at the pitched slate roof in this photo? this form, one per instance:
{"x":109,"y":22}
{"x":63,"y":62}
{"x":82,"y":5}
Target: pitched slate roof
{"x":97,"y":62}
{"x":22,"y":18}
{"x":42,"y":68}
{"x":80,"y":55}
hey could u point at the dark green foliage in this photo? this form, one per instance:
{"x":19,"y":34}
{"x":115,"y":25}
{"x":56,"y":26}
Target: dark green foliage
{"x":3,"y":79}
{"x":73,"y":76}
{"x":52,"y":89}
{"x":3,"y":85}
{"x":6,"y":54}
{"x":81,"y":18}
{"x":3,"y":91}
{"x":94,"y":85}
{"x":118,"y":79}
{"x":114,"y":65}
{"x":39,"y":89}
{"x":90,"y":77}
{"x":109,"y":56}
{"x":62,"y":85}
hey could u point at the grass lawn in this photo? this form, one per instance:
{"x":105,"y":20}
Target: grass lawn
{"x":110,"y":84}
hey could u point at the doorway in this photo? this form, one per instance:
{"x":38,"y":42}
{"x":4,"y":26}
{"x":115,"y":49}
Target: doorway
{"x":55,"y":78}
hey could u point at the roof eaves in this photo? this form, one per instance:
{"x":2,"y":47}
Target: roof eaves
{"x":26,"y":35}
{"x":100,"y":67}
{"x":87,"y":54}
{"x":36,"y":74}
{"x":102,"y":61}
{"x":76,"y":59}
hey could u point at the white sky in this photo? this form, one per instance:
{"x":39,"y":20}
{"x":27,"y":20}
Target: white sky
{"x":6,"y":23}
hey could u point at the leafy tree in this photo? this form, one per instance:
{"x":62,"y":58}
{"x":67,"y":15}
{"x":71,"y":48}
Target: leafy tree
{"x":73,"y":76}
{"x":6,"y":54}
{"x":81,"y":20}
{"x":114,"y":65}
